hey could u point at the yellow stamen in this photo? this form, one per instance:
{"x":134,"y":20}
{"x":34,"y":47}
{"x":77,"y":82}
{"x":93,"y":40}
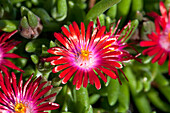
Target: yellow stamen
{"x":85,"y":54}
{"x":20,"y":108}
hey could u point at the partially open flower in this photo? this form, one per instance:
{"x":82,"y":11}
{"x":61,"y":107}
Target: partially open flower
{"x":89,"y":55}
{"x":6,"y":46}
{"x":24,"y":98}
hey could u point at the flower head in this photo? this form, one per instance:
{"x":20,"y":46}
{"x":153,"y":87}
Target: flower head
{"x":6,"y":46}
{"x":159,"y":43}
{"x":24,"y":98}
{"x":87,"y":55}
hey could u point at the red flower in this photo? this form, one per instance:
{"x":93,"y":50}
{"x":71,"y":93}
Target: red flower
{"x":89,"y":55}
{"x":6,"y":46}
{"x":160,"y":41}
{"x":24,"y":98}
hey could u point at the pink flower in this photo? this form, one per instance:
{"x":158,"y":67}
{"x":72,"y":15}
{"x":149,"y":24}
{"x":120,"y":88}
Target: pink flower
{"x":159,"y":43}
{"x":24,"y":98}
{"x":89,"y":55}
{"x":6,"y":46}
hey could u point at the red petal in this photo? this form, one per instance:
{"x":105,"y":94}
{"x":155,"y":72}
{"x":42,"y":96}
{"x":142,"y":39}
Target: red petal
{"x":69,"y":75}
{"x":26,"y":85}
{"x":153,"y":14}
{"x":82,"y":31}
{"x":57,"y":62}
{"x":157,"y":26}
{"x":90,"y":72}
{"x":153,"y":36}
{"x":49,"y":59}
{"x":60,"y":39}
{"x":79,"y":82}
{"x":98,"y":23}
{"x":88,"y":33}
{"x":147,"y":43}
{"x":76,"y":77}
{"x":144,"y":52}
{"x":73,"y":34}
{"x":108,"y":72}
{"x":99,"y":35}
{"x":76,"y":28}
{"x":11,"y":65}
{"x":4,"y":69}
{"x":10,"y":45}
{"x":85,"y":82}
{"x":163,"y":10}
{"x":45,"y":98}
{"x":47,"y":106}
{"x":64,"y":73}
{"x":66,"y":32}
{"x":14,"y":83}
{"x":38,"y":89}
{"x":163,"y":23}
{"x":154,"y":51}
{"x":101,"y":75}
{"x":112,"y":53}
{"x":163,"y":58}
{"x":7,"y":36}
{"x":12,"y":55}
{"x":115,"y":64}
{"x":60,"y":67}
{"x":96,"y":81}
{"x":169,"y":64}
{"x":158,"y":56}
{"x":45,"y":90}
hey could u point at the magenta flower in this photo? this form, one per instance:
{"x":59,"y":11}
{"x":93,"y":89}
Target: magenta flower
{"x":24,"y":98}
{"x":159,"y":43}
{"x":6,"y":46}
{"x":89,"y":55}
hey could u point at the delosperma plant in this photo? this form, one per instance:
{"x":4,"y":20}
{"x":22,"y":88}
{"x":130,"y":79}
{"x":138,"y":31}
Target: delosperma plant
{"x":84,"y":56}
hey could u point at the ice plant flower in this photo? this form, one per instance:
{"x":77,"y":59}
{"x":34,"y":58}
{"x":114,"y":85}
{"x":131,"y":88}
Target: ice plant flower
{"x":24,"y":98}
{"x":87,"y":55}
{"x":159,"y":43}
{"x":6,"y":46}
